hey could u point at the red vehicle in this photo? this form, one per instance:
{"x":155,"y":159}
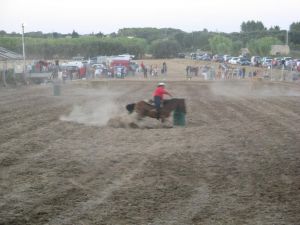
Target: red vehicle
{"x":120,"y":67}
{"x":120,"y":62}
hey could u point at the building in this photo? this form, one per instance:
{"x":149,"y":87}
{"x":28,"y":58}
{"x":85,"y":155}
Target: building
{"x":7,"y":56}
{"x":280,"y":50}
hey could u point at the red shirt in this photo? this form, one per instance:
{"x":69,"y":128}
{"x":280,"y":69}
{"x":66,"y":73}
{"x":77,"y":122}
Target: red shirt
{"x":160,"y":91}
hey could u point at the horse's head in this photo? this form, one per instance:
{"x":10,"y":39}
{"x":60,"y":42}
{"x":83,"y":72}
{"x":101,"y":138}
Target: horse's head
{"x":130,"y":107}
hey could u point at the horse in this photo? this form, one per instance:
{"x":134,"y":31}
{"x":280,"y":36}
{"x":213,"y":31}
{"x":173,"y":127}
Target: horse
{"x":192,"y":69}
{"x":146,"y":109}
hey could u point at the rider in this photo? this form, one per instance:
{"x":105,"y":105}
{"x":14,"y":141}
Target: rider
{"x":158,"y":95}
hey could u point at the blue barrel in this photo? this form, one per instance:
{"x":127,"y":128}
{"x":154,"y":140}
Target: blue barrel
{"x":178,"y":118}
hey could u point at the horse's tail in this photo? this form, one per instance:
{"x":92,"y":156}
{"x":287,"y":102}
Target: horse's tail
{"x":130,"y":107}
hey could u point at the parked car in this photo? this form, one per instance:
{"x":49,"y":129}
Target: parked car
{"x":181,"y":55}
{"x":193,"y":56}
{"x":234,"y":60}
{"x":267,"y":62}
{"x":227,"y":58}
{"x":204,"y":57}
{"x":244,"y":62}
{"x":218,"y":58}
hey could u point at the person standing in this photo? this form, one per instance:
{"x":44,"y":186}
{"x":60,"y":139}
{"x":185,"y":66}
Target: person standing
{"x":158,"y":96}
{"x":164,"y":69}
{"x":244,"y":72}
{"x":142,"y":66}
{"x":144,"y":69}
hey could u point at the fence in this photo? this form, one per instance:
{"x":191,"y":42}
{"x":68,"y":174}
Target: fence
{"x":239,"y":72}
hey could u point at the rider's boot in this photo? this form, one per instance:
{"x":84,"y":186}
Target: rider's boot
{"x":157,"y":114}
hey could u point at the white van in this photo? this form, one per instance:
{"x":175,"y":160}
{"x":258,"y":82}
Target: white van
{"x":255,"y":60}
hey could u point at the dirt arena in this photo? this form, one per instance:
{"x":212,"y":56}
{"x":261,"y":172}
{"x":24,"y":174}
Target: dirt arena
{"x":73,"y":159}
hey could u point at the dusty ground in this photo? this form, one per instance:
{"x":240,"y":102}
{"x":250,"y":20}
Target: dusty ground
{"x":71,"y":159}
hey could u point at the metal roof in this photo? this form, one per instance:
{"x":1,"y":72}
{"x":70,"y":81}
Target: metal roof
{"x":9,"y":55}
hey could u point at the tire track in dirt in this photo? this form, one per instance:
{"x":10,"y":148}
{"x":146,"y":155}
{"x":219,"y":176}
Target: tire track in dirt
{"x":256,"y":123}
{"x":250,"y":117}
{"x":155,"y":192}
{"x":272,"y":112}
{"x":239,"y":166}
{"x":29,"y":121}
{"x":197,"y":99}
{"x":24,"y":110}
{"x":100,"y":198}
{"x":46,"y":165}
{"x":188,"y":208}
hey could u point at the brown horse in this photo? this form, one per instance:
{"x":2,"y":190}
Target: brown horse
{"x":146,"y":109}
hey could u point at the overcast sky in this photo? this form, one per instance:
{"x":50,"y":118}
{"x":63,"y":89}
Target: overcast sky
{"x":109,"y":16}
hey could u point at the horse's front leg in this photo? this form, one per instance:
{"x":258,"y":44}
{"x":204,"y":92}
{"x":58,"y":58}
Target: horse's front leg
{"x":165,"y":123}
{"x":138,"y":116}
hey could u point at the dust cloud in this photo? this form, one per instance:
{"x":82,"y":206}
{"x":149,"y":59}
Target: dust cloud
{"x":103,"y":109}
{"x":92,"y":113}
{"x":98,"y":110}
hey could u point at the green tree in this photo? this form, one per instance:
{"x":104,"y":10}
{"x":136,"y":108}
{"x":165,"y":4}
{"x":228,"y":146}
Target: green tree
{"x":56,"y":35}
{"x":75,"y":34}
{"x":294,"y":34}
{"x":87,"y":46}
{"x":295,"y":26}
{"x":236,"y":47}
{"x":220,"y":44}
{"x":262,"y":46}
{"x":252,"y":26}
{"x":200,"y":40}
{"x":164,"y":48}
{"x":2,"y":33}
{"x":100,"y":34}
{"x":38,"y":34}
{"x":275,"y":28}
{"x":113,"y":35}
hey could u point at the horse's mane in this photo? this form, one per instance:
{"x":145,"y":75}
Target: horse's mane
{"x":147,"y":103}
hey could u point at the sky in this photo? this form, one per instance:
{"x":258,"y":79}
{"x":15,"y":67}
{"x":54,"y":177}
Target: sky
{"x":108,"y":16}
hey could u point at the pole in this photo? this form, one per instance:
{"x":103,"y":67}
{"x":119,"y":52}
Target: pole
{"x":192,"y":41}
{"x":24,"y":58}
{"x":271,"y":68}
{"x":282,"y":75}
{"x":4,"y":73}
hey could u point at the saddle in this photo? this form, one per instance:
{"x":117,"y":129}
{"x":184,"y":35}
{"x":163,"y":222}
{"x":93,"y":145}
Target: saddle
{"x":151,"y":102}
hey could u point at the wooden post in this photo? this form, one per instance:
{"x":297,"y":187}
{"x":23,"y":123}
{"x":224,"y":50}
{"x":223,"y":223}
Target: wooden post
{"x":4,"y":73}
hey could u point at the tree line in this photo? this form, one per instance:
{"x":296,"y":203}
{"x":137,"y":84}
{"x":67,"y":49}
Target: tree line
{"x":161,"y":43}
